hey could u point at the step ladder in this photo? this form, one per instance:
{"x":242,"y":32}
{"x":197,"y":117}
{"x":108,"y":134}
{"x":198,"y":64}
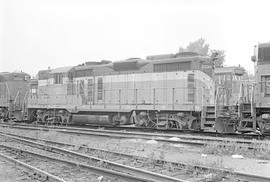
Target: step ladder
{"x":246,"y":109}
{"x":219,"y":117}
{"x":208,"y":118}
{"x":247,"y":122}
{"x":226,"y":119}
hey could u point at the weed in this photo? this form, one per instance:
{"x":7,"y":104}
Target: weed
{"x":149,"y":160}
{"x":206,"y":175}
{"x":162,"y":155}
{"x":255,"y":150}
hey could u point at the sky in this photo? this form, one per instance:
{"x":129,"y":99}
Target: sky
{"x":37,"y":34}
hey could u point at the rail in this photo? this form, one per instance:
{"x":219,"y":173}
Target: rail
{"x":169,"y":138}
{"x":241,"y":175}
{"x":48,"y":176}
{"x":143,"y":175}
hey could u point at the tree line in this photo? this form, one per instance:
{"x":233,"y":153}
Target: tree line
{"x":202,"y":48}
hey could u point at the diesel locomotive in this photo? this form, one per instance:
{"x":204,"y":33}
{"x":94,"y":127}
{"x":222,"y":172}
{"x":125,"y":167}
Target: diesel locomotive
{"x":255,"y":112}
{"x":162,"y":91}
{"x":180,"y":91}
{"x":14,"y":90}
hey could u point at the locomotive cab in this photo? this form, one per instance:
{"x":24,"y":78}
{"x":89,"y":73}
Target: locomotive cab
{"x":13,"y":95}
{"x":262,"y":86}
{"x":49,"y":96}
{"x":228,"y":82}
{"x":255,"y":113}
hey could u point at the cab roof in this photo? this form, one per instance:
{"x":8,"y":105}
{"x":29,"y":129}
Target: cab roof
{"x":61,"y":69}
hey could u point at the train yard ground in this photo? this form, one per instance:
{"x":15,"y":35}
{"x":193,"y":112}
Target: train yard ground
{"x":10,"y":173}
{"x":199,"y":160}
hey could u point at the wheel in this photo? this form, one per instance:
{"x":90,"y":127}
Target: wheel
{"x":33,"y":117}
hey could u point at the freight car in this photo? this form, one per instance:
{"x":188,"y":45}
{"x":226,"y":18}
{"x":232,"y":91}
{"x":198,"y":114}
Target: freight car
{"x":13,"y":95}
{"x":162,"y":91}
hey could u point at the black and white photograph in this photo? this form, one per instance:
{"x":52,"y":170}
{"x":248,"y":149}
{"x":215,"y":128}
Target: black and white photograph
{"x":134,"y":91}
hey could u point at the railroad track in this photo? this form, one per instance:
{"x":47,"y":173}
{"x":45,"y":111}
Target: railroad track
{"x":112,"y":169}
{"x":37,"y":174}
{"x":179,"y":132}
{"x":69,"y":170}
{"x":132,"y":128}
{"x":227,"y":175}
{"x":168,"y":138}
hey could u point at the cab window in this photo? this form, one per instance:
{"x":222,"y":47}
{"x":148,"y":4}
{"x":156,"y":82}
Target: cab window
{"x":58,"y":78}
{"x":265,"y":85}
{"x":100,"y":89}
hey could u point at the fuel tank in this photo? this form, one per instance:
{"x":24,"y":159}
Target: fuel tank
{"x":91,"y":119}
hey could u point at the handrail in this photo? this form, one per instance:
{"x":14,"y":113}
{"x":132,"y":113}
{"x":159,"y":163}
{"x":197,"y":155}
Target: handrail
{"x":216,"y":100}
{"x":8,"y":92}
{"x":240,"y":99}
{"x":15,"y":100}
{"x":252,"y":101}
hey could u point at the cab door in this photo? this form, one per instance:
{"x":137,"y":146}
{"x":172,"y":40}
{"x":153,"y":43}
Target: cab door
{"x":90,"y":91}
{"x":191,"y":87}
